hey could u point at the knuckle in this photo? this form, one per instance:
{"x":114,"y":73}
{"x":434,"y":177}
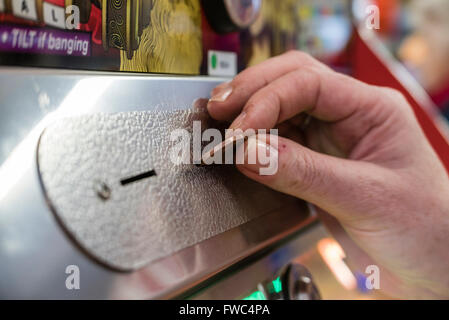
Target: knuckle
{"x":302,"y":169}
{"x":239,"y":78}
{"x":313,"y":74}
{"x":310,"y":81}
{"x":306,"y":60}
{"x":300,"y":55}
{"x":394,"y":94}
{"x":396,"y":100}
{"x":268,"y":101}
{"x":252,"y":75}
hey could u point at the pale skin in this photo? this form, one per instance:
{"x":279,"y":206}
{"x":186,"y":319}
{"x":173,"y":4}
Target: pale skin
{"x":363,"y":161}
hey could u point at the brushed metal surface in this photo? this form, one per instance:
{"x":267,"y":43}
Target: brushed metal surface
{"x":151,"y":218}
{"x":35,"y":251}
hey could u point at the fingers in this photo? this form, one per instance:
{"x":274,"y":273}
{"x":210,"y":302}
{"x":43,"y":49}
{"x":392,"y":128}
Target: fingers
{"x":324,"y":94}
{"x":229,"y":98}
{"x":330,"y":183}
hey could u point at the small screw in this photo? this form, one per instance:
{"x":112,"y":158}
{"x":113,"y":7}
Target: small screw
{"x":102,"y":190}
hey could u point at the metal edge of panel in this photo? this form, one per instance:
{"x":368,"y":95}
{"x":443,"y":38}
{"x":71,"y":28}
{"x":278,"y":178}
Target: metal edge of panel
{"x":244,"y":278}
{"x":262,"y":236}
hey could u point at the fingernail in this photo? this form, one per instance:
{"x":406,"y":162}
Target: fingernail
{"x":221,"y":93}
{"x":259,"y":155}
{"x":222,"y":147}
{"x":237,"y":123}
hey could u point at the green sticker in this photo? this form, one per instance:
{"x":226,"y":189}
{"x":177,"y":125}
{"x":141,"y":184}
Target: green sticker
{"x":213,"y":61}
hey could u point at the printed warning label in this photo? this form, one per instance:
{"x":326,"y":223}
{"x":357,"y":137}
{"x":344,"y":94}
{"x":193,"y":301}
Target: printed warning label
{"x":44,"y":41}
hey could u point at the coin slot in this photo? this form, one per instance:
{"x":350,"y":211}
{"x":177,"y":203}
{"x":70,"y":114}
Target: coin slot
{"x":138,"y":177}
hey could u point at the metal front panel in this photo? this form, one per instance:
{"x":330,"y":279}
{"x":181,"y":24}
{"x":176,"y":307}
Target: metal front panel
{"x":142,"y":221}
{"x":35,"y":251}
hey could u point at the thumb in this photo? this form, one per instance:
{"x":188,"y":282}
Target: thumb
{"x":339,"y":186}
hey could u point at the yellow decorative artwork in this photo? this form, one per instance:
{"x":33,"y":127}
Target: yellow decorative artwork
{"x":171,"y":43}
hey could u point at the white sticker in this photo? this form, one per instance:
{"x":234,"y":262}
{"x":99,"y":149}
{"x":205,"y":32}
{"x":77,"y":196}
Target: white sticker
{"x":54,"y":15}
{"x":24,"y":9}
{"x":222,"y":63}
{"x":2,"y":5}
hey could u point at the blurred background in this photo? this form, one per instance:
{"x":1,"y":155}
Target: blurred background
{"x":417,"y":33}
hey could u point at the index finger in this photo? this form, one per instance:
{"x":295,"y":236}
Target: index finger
{"x":228,"y":99}
{"x":322,"y":93}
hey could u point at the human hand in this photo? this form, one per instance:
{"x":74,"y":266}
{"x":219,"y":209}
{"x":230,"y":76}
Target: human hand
{"x":363,"y":161}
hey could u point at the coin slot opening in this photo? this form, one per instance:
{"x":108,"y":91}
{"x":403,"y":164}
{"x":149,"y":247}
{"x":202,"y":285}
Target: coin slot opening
{"x":138,"y":177}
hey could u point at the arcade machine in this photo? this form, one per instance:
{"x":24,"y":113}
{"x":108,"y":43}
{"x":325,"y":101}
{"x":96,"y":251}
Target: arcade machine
{"x":90,"y":204}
